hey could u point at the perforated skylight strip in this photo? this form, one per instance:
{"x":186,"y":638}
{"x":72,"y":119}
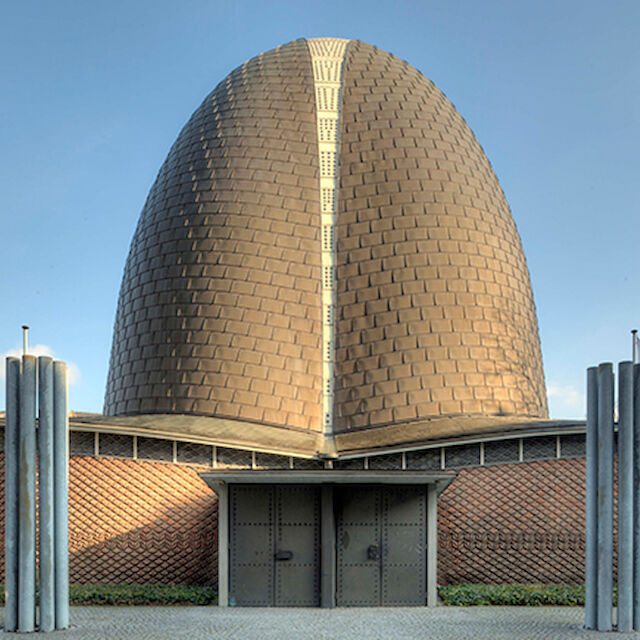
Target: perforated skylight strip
{"x":327,"y":60}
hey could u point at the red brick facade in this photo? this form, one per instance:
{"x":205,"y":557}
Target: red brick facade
{"x":149,"y":522}
{"x":514,"y":523}
{"x":138,"y":522}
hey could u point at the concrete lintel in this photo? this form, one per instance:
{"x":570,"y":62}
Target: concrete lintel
{"x":221,"y":489}
{"x":441,"y":479}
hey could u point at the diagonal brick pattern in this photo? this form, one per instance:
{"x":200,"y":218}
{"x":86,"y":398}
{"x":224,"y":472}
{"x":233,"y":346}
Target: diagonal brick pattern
{"x":144,"y":522}
{"x":137,"y":522}
{"x":514,"y":523}
{"x":220,"y":307}
{"x":435,"y":309}
{"x":140,"y":522}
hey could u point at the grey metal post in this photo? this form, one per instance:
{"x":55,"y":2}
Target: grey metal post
{"x":45,"y":493}
{"x":27,"y":493}
{"x":636,"y":497}
{"x":25,"y":339}
{"x":11,"y":472}
{"x":605,"y":496}
{"x":625,"y":496}
{"x":61,"y":493}
{"x":591,"y":520}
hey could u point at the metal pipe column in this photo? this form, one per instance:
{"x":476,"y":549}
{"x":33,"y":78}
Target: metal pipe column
{"x":636,"y":496}
{"x":605,"y":497}
{"x":61,"y":493}
{"x":45,"y":497}
{"x":625,"y":496}
{"x":11,"y":473}
{"x":591,"y":520}
{"x":27,"y":493}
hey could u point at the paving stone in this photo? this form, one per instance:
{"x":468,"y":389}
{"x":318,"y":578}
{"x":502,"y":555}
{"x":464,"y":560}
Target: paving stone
{"x":410,"y":623}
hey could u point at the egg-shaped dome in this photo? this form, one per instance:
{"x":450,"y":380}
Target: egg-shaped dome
{"x":326,"y":247}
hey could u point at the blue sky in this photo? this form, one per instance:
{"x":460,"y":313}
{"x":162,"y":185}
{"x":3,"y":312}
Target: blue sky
{"x":94,"y":94}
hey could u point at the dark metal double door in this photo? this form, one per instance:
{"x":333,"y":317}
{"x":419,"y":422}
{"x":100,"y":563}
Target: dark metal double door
{"x":381,"y":546}
{"x":274,"y":546}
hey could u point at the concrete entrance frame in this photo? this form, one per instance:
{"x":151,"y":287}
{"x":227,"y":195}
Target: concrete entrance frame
{"x":435,"y":483}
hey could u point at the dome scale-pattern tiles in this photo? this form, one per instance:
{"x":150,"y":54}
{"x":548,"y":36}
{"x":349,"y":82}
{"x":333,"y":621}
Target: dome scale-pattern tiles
{"x":221,"y":306}
{"x":435,"y":308}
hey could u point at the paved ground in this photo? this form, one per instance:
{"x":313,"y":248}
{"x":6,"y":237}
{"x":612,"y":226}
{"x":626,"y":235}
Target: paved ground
{"x":446,"y":623}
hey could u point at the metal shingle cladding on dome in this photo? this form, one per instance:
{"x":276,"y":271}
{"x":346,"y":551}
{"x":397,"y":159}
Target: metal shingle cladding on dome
{"x":436,"y":312}
{"x":221,"y":307}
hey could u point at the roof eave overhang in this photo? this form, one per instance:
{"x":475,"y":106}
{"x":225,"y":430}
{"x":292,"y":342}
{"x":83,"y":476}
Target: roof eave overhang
{"x":447,"y":431}
{"x":218,"y":479}
{"x":235,"y":434}
{"x":277,"y":440}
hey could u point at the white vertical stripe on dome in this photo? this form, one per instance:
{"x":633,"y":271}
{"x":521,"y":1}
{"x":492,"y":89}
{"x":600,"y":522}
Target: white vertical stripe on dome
{"x":327,"y":60}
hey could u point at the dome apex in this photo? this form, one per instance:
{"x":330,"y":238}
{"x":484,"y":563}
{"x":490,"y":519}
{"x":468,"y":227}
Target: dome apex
{"x":327,"y":248}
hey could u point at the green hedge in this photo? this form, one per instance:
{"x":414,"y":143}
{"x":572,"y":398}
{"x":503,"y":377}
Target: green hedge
{"x":463,"y":595}
{"x":140,"y":594}
{"x":137,"y":594}
{"x":529,"y":595}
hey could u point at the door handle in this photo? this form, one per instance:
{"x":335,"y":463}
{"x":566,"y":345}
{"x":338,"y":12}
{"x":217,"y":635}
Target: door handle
{"x":284,"y":555}
{"x":373,"y":552}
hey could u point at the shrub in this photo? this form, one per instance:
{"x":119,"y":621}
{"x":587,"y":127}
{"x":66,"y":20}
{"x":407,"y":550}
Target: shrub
{"x":136,"y":594}
{"x":530,"y":595}
{"x":140,"y":594}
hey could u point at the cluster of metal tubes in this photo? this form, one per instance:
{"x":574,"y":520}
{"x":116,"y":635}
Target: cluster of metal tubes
{"x":599,"y":551}
{"x":45,"y":380}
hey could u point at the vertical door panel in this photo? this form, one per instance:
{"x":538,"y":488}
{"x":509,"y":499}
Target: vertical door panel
{"x":358,"y":540}
{"x":274,"y":546}
{"x":298,"y":533}
{"x":404,"y":505}
{"x":403,"y":546}
{"x":358,"y":585}
{"x":354,"y":541}
{"x":252,"y":587}
{"x":252,"y":504}
{"x":298,"y":504}
{"x":359,"y":505}
{"x":251,"y":542}
{"x":381,"y":542}
{"x":402,"y":587}
{"x":301,"y":541}
{"x":404,"y":536}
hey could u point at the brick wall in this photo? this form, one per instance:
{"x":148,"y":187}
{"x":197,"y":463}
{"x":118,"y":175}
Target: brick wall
{"x":514,"y":523}
{"x":138,"y":522}
{"x":147,"y":522}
